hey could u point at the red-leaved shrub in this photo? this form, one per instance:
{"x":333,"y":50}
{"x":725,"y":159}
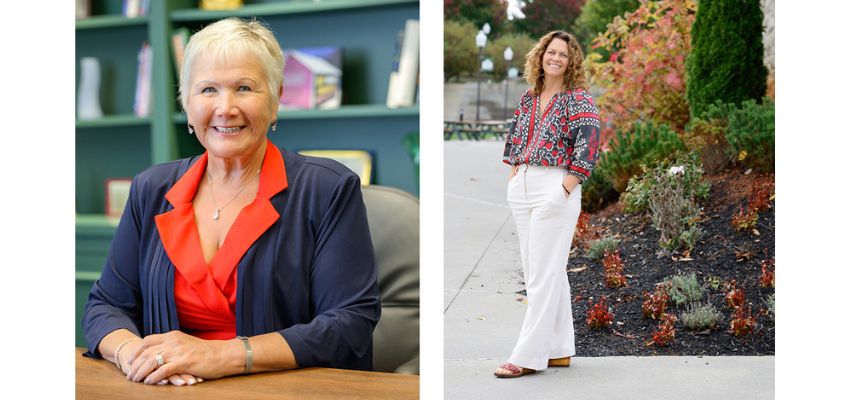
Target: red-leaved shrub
{"x":742,"y":322}
{"x":613,"y":266}
{"x":644,"y":78}
{"x":666,"y":331}
{"x":735,"y":296}
{"x":768,"y":273}
{"x":598,"y":315}
{"x":584,"y":232}
{"x":762,"y":192}
{"x":655,"y":304}
{"x":745,"y":220}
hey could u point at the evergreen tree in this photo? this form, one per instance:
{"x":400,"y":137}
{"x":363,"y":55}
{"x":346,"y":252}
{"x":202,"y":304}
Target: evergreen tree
{"x":726,"y":60}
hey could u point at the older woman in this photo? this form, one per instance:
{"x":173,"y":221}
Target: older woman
{"x":244,"y":259}
{"x":551,"y":148}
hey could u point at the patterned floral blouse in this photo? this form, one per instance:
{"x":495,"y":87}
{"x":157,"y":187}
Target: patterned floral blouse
{"x":565,"y":134}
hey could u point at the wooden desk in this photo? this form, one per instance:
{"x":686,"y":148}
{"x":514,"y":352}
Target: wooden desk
{"x":99,"y":379}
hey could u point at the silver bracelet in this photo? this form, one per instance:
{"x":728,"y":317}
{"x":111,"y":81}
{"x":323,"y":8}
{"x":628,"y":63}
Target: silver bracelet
{"x":118,"y":349}
{"x":249,"y":354}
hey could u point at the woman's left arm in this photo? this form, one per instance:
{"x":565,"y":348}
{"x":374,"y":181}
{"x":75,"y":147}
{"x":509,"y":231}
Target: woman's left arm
{"x":585,"y":133}
{"x":344,"y":286}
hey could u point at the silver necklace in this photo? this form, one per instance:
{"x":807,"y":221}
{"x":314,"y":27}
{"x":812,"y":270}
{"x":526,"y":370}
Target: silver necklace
{"x":218,"y":209}
{"x":541,"y":110}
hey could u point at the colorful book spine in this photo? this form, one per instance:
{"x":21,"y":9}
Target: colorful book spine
{"x":392,"y":88}
{"x":408,"y":67}
{"x":131,"y":8}
{"x":178,"y":45}
{"x":142,"y":102}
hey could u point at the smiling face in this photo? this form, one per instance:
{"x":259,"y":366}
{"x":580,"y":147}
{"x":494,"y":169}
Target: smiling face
{"x":555,"y":58}
{"x":229,"y":105}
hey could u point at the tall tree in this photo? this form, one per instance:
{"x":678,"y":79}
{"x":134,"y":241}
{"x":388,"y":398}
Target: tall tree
{"x":542,"y":16}
{"x":459,"y":52}
{"x":479,"y":12}
{"x":727,"y":54}
{"x":519,"y":43}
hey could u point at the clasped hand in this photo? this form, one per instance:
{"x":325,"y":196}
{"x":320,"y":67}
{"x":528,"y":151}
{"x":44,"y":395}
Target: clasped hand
{"x":186,"y":359}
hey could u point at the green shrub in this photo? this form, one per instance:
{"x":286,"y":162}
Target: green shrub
{"x":714,"y":282}
{"x":644,"y":145}
{"x":725,"y":132}
{"x":707,"y":137}
{"x":597,"y":191}
{"x":637,"y":194}
{"x":726,"y":59}
{"x":596,"y":249}
{"x":700,"y":316}
{"x":636,"y":197}
{"x":674,"y":210}
{"x":684,"y":288}
{"x":751,"y":134}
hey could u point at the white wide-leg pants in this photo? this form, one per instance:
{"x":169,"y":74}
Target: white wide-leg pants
{"x":546,"y":221}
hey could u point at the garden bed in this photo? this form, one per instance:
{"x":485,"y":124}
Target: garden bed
{"x":721,"y":254}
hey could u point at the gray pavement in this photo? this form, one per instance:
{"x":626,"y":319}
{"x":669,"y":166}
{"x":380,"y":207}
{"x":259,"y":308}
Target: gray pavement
{"x":483,"y":313}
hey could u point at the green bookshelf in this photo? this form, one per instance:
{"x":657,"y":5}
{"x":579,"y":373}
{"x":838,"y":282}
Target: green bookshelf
{"x":113,"y":121}
{"x":110,"y":21}
{"x":120,"y":144}
{"x":283,"y":8}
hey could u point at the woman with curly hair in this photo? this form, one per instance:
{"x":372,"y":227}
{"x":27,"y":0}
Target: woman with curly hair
{"x":551,"y":148}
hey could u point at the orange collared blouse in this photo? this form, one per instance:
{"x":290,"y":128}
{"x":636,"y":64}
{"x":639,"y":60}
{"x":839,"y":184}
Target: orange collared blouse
{"x":205,"y":294}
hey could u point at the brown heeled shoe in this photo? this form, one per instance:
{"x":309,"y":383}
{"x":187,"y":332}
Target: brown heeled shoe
{"x":559,"y":362}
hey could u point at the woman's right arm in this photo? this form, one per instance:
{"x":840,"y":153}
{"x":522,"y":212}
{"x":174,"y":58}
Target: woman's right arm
{"x":115,"y":300}
{"x":510,"y":137}
{"x":128,"y":343}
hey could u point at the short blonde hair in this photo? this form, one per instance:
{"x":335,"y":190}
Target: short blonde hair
{"x":235,"y":37}
{"x":574,"y":74}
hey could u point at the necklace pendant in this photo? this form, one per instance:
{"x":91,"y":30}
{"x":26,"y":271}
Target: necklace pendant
{"x":216,"y":214}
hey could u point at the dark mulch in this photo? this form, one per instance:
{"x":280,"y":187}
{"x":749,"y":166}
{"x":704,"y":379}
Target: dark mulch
{"x":717,"y":254}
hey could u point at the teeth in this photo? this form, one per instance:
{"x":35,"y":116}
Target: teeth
{"x":228,"y":130}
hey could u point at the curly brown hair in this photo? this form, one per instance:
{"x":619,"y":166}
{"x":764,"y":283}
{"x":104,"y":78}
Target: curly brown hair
{"x":574,"y":76}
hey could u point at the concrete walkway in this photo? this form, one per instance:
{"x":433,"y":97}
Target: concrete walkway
{"x":483,"y":317}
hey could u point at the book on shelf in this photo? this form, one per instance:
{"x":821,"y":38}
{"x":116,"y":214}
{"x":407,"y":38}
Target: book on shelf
{"x":178,"y":45}
{"x":218,"y":5}
{"x":142,"y":102}
{"x":402,"y":88}
{"x":392,"y":87}
{"x":135,"y":8}
{"x":312,"y":78}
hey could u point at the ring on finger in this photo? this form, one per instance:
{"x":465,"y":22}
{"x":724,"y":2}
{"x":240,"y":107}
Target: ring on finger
{"x":159,"y":360}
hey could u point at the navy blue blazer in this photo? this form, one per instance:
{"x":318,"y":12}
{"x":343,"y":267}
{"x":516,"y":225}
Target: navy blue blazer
{"x":311,"y":276}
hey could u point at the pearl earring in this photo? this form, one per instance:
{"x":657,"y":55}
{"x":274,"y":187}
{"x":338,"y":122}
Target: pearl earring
{"x":191,"y":130}
{"x":274,"y":126}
